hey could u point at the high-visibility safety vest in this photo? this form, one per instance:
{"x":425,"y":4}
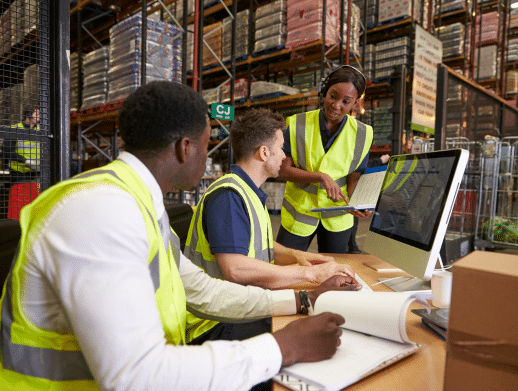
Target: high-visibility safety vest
{"x":344,"y":157}
{"x":33,"y":358}
{"x":27,"y":149}
{"x":197,"y":247}
{"x":398,"y":173}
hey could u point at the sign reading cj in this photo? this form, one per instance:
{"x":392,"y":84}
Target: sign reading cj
{"x":221,"y":111}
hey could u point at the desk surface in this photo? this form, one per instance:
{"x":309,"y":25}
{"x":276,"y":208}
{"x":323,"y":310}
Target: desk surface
{"x":424,"y":370}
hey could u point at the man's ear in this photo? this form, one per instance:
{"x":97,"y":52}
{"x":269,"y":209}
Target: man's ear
{"x":263,"y":152}
{"x":183,"y":149}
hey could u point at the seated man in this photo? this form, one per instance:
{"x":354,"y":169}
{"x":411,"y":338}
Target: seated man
{"x":97,"y":299}
{"x":231,"y":235}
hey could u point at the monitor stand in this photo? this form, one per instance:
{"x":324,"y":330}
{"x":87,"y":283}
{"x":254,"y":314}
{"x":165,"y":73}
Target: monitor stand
{"x":407,"y":284}
{"x":410,"y":284}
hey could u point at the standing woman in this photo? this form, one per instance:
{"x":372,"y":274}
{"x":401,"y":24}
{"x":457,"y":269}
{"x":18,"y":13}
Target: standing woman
{"x":326,"y":152}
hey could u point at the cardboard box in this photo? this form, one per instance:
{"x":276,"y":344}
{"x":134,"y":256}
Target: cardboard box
{"x":482,"y":346}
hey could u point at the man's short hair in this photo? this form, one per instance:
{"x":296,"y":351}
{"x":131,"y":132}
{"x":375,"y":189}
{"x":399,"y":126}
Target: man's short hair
{"x":254,"y":128}
{"x":160,"y":112}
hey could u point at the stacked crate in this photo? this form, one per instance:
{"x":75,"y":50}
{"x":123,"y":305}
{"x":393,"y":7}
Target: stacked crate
{"x":453,"y":40}
{"x":163,"y":46}
{"x":242,"y":29}
{"x":369,"y":62}
{"x":486,"y":31}
{"x":95,"y":80}
{"x":371,"y":18}
{"x":306,"y":81}
{"x":304,"y":22}
{"x":512,"y":50}
{"x":270,"y":26}
{"x":354,"y":40}
{"x":74,"y":82}
{"x":511,"y":85}
{"x":381,"y":122}
{"x":265,"y":90}
{"x":447,"y":6}
{"x":513,"y":18}
{"x":391,"y":53}
{"x":176,"y":10}
{"x":488,"y":62}
{"x":390,"y":11}
{"x":240,"y":91}
{"x":212,"y":34}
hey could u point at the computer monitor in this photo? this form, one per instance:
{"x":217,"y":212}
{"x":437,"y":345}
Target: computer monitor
{"x":412,"y":213}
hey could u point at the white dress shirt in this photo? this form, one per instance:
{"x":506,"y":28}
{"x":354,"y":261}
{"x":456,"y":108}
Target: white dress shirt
{"x":87,"y":274}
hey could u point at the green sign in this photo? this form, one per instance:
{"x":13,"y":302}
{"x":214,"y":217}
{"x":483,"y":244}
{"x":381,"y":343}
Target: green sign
{"x":221,"y":111}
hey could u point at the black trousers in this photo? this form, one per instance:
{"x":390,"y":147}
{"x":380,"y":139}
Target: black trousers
{"x":238,"y":331}
{"x":328,"y":242}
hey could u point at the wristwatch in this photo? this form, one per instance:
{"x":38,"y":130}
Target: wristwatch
{"x":305,"y":303}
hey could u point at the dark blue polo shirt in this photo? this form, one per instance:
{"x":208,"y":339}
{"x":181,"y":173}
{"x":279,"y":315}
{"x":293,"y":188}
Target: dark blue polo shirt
{"x":225,"y":220}
{"x":327,"y":139}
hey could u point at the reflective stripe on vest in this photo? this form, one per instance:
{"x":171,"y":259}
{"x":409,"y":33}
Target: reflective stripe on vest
{"x":26,"y":148}
{"x":343,"y":158}
{"x":210,"y":266}
{"x":52,"y":364}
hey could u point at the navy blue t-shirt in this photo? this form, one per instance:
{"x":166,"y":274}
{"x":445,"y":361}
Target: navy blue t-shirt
{"x":327,"y":140}
{"x":225,"y":220}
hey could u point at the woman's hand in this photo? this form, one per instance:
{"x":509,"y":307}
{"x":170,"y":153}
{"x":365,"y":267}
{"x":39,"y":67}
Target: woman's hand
{"x":334,"y":192}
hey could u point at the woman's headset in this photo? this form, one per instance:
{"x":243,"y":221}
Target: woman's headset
{"x":324,"y":83}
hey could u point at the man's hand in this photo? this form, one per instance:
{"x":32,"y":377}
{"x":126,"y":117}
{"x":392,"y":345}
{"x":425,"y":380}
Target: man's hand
{"x":335,"y":283}
{"x":320,"y":273}
{"x":360,"y":213}
{"x":307,"y":259}
{"x":334,"y":192}
{"x":310,"y":339}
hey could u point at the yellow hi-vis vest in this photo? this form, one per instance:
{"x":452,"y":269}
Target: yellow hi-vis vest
{"x":33,"y":358}
{"x":197,"y":247}
{"x":27,"y":149}
{"x":398,"y":173}
{"x":307,"y":151}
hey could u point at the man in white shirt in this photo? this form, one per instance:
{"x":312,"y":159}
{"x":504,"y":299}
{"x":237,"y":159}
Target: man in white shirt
{"x":97,"y":297}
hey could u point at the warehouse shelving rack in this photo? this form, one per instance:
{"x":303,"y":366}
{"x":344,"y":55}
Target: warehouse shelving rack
{"x":40,"y":31}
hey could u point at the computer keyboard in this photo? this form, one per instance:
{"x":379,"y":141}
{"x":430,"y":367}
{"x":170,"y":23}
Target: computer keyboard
{"x":363,"y":283}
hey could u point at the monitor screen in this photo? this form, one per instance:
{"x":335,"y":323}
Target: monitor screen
{"x":413,"y":196}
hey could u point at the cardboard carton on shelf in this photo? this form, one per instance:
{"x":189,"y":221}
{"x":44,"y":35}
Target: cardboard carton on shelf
{"x":482,"y":346}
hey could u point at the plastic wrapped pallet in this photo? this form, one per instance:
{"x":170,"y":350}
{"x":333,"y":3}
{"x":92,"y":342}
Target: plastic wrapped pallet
{"x":262,"y":88}
{"x":95,"y":78}
{"x":453,"y":38}
{"x":513,"y":18}
{"x":354,"y":40}
{"x":392,"y":10}
{"x":214,"y":38}
{"x":511,"y":85}
{"x":240,"y":90}
{"x":389,"y":54}
{"x":211,"y":95}
{"x":304,"y":22}
{"x":512,"y":50}
{"x":306,"y":81}
{"x":487,"y":30}
{"x":163,"y":50}
{"x":242,"y":33}
{"x":488,"y":63}
{"x":270,"y":26}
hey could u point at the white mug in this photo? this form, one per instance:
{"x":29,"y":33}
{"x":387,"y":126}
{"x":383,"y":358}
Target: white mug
{"x":441,"y":288}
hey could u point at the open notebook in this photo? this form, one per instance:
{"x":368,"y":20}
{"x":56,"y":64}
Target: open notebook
{"x":374,"y":336}
{"x":365,"y":194}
